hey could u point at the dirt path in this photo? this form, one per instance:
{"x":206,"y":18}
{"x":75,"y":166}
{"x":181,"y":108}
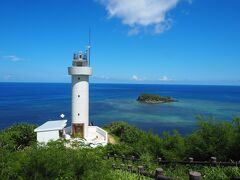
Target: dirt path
{"x":111,"y":139}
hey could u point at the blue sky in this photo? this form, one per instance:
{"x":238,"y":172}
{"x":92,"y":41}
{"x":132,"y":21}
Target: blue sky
{"x":138,"y":41}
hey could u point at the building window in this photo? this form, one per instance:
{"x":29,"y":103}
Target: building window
{"x":78,"y":78}
{"x":79,"y":96}
{"x":78,"y":114}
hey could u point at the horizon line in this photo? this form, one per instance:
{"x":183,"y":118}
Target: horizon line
{"x":183,"y":84}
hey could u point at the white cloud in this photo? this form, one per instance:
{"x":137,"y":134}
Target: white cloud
{"x":12,"y":58}
{"x":136,"y":78}
{"x":142,"y":13}
{"x":164,"y":78}
{"x":133,"y":31}
{"x":160,"y":28}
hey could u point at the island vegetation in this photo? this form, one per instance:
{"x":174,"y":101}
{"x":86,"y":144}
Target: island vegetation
{"x":154,"y":99}
{"x":22,"y":158}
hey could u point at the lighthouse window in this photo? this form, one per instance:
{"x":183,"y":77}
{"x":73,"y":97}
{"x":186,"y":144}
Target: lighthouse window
{"x":78,"y":95}
{"x":78,"y":114}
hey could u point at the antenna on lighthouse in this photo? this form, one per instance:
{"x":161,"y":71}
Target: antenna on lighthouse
{"x":89,"y":44}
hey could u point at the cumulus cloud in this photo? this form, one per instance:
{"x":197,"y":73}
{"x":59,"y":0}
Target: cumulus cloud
{"x":164,"y":78}
{"x":141,"y":13}
{"x":12,"y":58}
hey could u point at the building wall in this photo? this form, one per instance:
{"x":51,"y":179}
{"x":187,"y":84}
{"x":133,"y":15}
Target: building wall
{"x":80,"y":101}
{"x":94,"y":131}
{"x":103,"y":133}
{"x":46,"y":136}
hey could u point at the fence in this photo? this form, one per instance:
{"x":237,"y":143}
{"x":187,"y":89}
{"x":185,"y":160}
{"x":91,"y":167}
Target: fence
{"x":213,"y":161}
{"x":159,"y":173}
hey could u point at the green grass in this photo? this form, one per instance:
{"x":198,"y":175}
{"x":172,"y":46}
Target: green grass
{"x":124,"y":175}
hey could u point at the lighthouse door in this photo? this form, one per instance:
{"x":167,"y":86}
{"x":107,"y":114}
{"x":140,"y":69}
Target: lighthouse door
{"x":78,"y":130}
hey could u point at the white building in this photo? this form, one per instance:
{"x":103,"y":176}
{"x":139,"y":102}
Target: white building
{"x":80,"y":128}
{"x":51,"y":130}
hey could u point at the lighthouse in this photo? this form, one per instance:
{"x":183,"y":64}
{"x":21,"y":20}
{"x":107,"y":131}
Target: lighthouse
{"x":80,"y":72}
{"x":80,"y":130}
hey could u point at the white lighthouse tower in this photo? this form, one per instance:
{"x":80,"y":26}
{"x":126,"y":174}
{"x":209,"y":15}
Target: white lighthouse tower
{"x":80,"y":128}
{"x":80,"y":72}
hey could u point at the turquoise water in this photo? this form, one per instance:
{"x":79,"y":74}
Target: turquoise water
{"x":38,"y":102}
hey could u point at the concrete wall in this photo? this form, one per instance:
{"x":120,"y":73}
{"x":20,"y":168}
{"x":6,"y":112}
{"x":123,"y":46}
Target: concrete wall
{"x":94,"y":131}
{"x":103,"y":133}
{"x":91,"y":132}
{"x":46,"y":136}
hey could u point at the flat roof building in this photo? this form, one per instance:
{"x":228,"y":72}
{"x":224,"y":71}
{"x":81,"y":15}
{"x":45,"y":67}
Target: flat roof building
{"x":51,"y":130}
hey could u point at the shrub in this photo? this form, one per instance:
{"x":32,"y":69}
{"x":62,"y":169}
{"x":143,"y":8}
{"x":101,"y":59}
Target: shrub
{"x":127,"y":133}
{"x":173,"y":146}
{"x":213,"y":138}
{"x":55,"y":161}
{"x":17,"y":137}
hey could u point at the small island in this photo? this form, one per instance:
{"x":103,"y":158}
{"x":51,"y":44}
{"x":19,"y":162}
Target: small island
{"x":154,"y":99}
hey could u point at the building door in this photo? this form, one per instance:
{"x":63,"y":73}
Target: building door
{"x":78,"y":130}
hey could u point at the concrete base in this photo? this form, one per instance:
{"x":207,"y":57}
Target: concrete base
{"x":96,"y":136}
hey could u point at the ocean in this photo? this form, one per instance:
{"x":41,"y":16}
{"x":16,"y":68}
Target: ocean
{"x":38,"y":102}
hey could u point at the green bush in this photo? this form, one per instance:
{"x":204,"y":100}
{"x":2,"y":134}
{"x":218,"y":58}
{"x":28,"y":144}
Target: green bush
{"x":22,"y":158}
{"x":17,"y":137}
{"x":220,"y":139}
{"x":119,"y":149}
{"x":128,"y":134}
{"x":173,"y":146}
{"x":55,"y":161}
{"x":214,"y":138}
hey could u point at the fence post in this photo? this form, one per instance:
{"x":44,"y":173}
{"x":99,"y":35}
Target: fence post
{"x":214,"y":160}
{"x":193,"y":175}
{"x":114,"y":166}
{"x":130,"y":168}
{"x":123,"y":158}
{"x":115,"y":157}
{"x":158,"y":171}
{"x":159,"y":160}
{"x":190,"y":159}
{"x":140,"y":169}
{"x":122,"y":166}
{"x":133,"y":158}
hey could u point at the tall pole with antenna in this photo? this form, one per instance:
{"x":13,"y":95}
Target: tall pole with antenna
{"x":89,"y":45}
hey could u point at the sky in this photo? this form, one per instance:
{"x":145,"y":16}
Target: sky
{"x":137,"y":41}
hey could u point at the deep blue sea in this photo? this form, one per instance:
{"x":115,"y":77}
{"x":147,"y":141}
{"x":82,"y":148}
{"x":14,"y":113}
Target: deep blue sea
{"x":39,"y":102}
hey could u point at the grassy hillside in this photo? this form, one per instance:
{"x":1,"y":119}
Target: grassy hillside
{"x":22,"y":158}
